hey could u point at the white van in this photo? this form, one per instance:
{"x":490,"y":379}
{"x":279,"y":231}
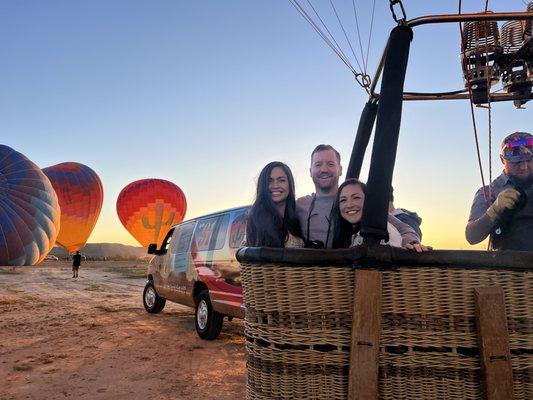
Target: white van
{"x":196,"y":266}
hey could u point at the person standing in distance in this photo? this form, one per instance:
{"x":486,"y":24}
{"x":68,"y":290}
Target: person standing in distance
{"x":314,"y":210}
{"x":507,"y":216}
{"x":76,"y":262}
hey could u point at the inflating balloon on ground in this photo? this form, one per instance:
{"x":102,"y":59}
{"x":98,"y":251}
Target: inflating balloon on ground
{"x":80,"y":194}
{"x":29,"y":210}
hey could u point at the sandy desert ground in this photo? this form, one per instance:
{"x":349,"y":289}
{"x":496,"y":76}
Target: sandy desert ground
{"x":90,"y":338}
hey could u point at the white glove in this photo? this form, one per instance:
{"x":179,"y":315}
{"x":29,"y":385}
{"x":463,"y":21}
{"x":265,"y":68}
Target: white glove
{"x":506,"y":199}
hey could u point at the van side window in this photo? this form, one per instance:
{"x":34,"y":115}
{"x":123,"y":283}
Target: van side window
{"x":210,"y":233}
{"x":182,"y":238}
{"x":237,"y":230}
{"x":181,"y":241}
{"x":222,"y":230}
{"x":167,"y":240}
{"x":204,"y":231}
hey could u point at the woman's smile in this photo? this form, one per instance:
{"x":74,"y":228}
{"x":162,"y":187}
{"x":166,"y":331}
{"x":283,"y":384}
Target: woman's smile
{"x":278,"y":185}
{"x":351,"y":201}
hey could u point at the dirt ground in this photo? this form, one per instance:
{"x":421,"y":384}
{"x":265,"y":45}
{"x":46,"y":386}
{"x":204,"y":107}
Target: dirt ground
{"x":90,"y":338}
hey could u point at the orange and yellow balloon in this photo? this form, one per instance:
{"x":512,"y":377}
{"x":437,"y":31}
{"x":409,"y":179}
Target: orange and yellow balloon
{"x":80,"y":193}
{"x":149,"y":207}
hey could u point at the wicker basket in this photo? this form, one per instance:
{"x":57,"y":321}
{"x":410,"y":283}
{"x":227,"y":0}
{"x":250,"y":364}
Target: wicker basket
{"x":299,"y":318}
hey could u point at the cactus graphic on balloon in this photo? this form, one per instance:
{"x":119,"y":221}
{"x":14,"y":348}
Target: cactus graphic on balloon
{"x":149,"y":207}
{"x":158,"y":221}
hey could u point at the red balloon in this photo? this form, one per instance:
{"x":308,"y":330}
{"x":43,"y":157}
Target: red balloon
{"x":149,"y":207}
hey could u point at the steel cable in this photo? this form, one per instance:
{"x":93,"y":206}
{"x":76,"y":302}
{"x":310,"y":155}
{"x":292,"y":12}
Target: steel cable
{"x":331,"y":35}
{"x":345,"y":34}
{"x":370,"y":34}
{"x":489,"y":78}
{"x":324,"y":37}
{"x":473,"y":115}
{"x":361,"y":77}
{"x":359,"y":36}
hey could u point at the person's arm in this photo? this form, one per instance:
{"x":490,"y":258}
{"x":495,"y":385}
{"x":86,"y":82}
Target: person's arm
{"x":479,"y":228}
{"x":409,"y":235}
{"x":410,"y":218}
{"x":410,"y":239}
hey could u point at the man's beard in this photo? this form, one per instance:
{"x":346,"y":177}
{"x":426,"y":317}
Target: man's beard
{"x":326,"y":187}
{"x":522,"y":182}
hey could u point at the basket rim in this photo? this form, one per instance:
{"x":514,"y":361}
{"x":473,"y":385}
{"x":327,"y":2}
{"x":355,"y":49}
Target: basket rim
{"x":387,"y":258}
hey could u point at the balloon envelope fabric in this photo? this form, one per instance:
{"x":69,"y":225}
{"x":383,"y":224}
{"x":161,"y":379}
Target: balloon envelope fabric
{"x":149,"y":207}
{"x":29,"y":210}
{"x":80,"y":194}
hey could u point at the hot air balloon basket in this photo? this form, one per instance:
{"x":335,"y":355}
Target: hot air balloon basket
{"x":387,"y":325}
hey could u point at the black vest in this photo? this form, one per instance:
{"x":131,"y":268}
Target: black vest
{"x":515,"y":230}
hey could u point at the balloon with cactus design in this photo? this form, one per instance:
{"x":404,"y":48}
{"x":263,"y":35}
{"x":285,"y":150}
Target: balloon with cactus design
{"x":149,"y":207}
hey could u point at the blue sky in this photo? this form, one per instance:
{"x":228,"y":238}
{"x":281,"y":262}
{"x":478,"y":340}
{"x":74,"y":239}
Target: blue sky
{"x":205,"y":93}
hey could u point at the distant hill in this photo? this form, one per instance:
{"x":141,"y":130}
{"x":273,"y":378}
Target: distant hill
{"x":107,"y":250}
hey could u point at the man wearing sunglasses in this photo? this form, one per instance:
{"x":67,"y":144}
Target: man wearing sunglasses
{"x":505,"y":212}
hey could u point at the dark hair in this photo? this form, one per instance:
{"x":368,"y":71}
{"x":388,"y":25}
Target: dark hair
{"x":265,"y":226}
{"x":343,"y":230}
{"x":392,"y":194}
{"x":325,"y":147}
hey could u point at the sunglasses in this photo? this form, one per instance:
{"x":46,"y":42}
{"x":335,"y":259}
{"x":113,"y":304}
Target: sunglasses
{"x":526,"y":142}
{"x":519,"y":149}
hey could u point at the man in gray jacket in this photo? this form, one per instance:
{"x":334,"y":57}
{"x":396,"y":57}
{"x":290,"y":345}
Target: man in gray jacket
{"x":505,"y":210}
{"x":314,"y":210}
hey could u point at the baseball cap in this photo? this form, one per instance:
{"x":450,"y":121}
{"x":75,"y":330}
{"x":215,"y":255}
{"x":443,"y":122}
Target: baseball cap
{"x":517,"y":146}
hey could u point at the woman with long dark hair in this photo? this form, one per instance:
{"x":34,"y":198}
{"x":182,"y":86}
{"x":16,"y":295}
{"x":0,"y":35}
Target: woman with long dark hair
{"x":347,"y":213}
{"x":272,"y":220}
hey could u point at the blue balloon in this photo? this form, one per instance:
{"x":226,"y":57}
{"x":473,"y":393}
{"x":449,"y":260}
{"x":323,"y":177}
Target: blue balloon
{"x":29,"y":210}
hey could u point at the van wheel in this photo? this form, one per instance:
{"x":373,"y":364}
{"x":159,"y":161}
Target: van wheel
{"x":153,"y":303}
{"x":208,"y":322}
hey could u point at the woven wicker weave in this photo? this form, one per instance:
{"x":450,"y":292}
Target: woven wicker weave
{"x":298,"y":330}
